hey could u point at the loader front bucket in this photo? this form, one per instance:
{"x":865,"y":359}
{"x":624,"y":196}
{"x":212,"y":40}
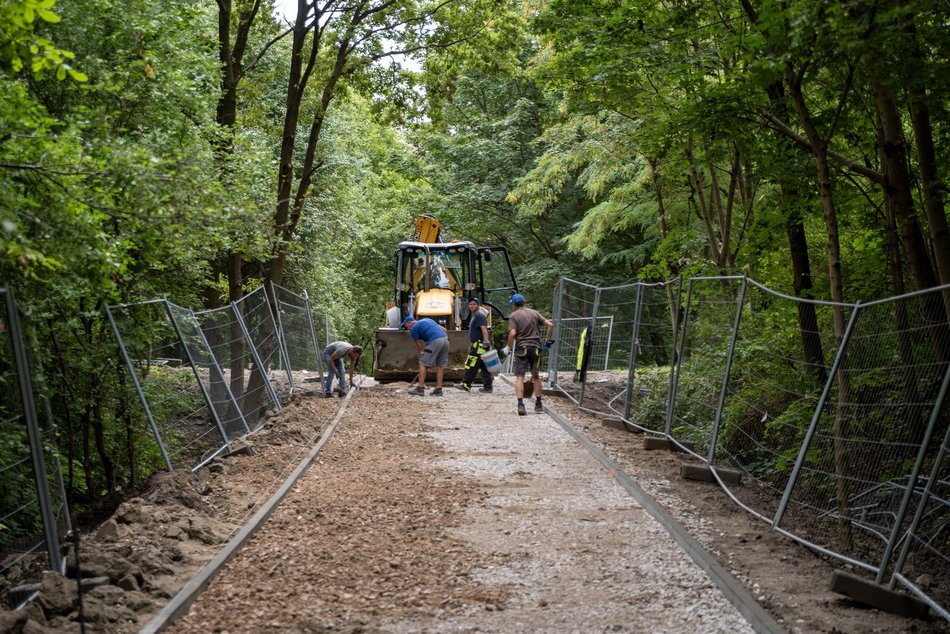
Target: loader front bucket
{"x":397,"y":358}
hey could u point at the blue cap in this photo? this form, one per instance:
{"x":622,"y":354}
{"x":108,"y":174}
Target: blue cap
{"x":407,"y":320}
{"x":517,"y":298}
{"x":476,"y":300}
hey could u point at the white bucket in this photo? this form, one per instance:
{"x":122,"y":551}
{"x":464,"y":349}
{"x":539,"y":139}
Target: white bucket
{"x":492,"y":363}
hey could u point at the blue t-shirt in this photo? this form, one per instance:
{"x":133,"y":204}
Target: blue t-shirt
{"x":426,"y":329}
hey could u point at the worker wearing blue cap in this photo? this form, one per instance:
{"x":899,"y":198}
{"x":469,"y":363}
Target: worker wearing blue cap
{"x":479,"y":343}
{"x":432,"y":341}
{"x":524,"y":327}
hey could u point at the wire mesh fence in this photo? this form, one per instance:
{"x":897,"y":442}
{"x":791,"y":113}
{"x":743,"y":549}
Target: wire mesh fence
{"x":875,"y":436}
{"x":207,"y":378}
{"x":183,"y":402}
{"x":779,"y":364}
{"x":705,"y":343}
{"x":233,"y":352}
{"x":34,"y":518}
{"x":296,"y":320}
{"x":838,"y":435}
{"x":257,"y":313}
{"x":615,"y":344}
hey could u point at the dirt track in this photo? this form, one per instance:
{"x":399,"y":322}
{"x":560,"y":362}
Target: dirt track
{"x":456,"y":514}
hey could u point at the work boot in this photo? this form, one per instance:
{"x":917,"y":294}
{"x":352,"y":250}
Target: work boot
{"x":327,"y":395}
{"x":341,"y":393}
{"x":464,"y":387}
{"x":538,"y":409}
{"x":418,"y":391}
{"x":521,"y":411}
{"x":487,"y":389}
{"x":437,"y":392}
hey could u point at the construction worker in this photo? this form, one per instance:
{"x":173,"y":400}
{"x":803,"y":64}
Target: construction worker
{"x":480,"y":344}
{"x":525,"y":328}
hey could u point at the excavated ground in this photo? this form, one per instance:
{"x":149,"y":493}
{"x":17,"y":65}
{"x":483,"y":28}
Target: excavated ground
{"x":440,"y":515}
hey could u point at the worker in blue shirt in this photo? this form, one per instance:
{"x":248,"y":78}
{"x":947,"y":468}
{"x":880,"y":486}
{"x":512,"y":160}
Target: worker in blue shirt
{"x":432,"y":341}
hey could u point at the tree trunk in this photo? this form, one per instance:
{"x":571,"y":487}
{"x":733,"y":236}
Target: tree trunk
{"x":696,"y":180}
{"x":840,"y":431}
{"x":931,"y":184}
{"x":897,"y":191}
{"x":911,"y":398}
{"x":812,"y":348}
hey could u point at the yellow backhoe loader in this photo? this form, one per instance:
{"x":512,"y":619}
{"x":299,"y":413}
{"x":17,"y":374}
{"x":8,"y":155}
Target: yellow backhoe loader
{"x":436,"y":279}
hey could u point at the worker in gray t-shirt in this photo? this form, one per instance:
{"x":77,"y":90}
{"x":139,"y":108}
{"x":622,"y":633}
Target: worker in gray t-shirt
{"x":524,"y":326}
{"x":333,"y":356}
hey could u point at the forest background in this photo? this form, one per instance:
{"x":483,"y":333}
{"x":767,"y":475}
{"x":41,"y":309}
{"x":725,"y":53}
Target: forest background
{"x":194,"y":150}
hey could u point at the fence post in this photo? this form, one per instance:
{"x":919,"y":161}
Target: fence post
{"x":553,"y":358}
{"x":138,"y":388}
{"x":912,"y":482}
{"x":714,"y":438}
{"x":632,"y":358}
{"x":678,"y":356}
{"x":22,"y":364}
{"x":257,"y":358}
{"x":281,"y":343}
{"x":313,"y":336}
{"x":809,"y":434}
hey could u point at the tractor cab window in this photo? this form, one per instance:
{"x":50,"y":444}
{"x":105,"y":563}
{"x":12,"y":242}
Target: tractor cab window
{"x":445,"y":270}
{"x":438,"y":272}
{"x":451,"y":271}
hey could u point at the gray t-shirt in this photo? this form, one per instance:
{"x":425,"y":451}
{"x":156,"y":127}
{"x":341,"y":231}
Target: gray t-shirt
{"x":526,"y":323}
{"x":339,"y":349}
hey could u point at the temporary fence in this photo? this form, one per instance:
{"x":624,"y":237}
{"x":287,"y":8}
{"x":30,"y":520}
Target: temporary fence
{"x":574,"y":337}
{"x":203,"y":379}
{"x":34,"y":519}
{"x":302,"y":341}
{"x":632,"y":324}
{"x":833,"y":415}
{"x":206,"y":378}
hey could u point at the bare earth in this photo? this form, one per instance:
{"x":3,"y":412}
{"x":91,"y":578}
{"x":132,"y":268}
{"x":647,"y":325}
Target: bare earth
{"x":443,"y":515}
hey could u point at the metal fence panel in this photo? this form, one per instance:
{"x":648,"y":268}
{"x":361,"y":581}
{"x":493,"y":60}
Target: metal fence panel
{"x":867,"y":436}
{"x":784,"y":346}
{"x":300,"y":340}
{"x":705,"y":336}
{"x":244,"y":380}
{"x":614,"y":348}
{"x":169,"y":390}
{"x":255,"y":310}
{"x":33,"y":509}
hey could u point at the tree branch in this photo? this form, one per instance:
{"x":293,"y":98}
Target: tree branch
{"x":777,"y":124}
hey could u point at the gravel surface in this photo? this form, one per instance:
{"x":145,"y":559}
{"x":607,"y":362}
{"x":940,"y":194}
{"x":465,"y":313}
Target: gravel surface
{"x":536,"y":535}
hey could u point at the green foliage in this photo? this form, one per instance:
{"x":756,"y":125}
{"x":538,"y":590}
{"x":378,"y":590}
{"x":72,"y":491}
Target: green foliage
{"x":22,"y":46}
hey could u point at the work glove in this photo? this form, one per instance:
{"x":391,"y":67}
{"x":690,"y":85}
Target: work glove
{"x":547,"y":344}
{"x":487,"y":345}
{"x":506,"y":351}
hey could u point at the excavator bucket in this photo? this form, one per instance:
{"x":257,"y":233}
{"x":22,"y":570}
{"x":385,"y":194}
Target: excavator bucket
{"x":397,"y":358}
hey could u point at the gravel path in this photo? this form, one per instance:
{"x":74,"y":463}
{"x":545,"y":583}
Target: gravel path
{"x":457,"y":515}
{"x":586,"y":557}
